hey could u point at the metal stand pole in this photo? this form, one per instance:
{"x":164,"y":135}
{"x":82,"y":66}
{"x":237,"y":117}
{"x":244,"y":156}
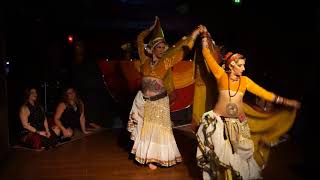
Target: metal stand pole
{"x":45,"y":96}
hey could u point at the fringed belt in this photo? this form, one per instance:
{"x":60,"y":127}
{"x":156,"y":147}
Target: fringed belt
{"x":231,"y":132}
{"x":156,"y":97}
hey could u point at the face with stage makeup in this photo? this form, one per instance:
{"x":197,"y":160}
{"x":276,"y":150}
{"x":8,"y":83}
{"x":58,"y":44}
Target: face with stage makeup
{"x":234,"y":63}
{"x":159,"y":50}
{"x":237,"y":66}
{"x":156,"y":48}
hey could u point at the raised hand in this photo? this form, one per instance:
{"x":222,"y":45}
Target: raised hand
{"x":195,"y":33}
{"x":203,"y":29}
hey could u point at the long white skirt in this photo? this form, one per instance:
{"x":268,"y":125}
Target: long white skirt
{"x":151,"y":129}
{"x":219,"y":147}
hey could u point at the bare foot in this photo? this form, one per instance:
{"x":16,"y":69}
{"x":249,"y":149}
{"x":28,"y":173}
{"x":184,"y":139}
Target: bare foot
{"x":152,"y":166}
{"x":40,"y":149}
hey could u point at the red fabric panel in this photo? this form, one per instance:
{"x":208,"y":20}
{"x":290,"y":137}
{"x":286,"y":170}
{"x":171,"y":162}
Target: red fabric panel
{"x":183,"y":98}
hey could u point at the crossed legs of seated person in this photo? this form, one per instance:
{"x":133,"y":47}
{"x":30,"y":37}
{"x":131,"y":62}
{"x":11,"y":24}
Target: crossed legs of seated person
{"x":39,"y":142}
{"x":63,"y":136}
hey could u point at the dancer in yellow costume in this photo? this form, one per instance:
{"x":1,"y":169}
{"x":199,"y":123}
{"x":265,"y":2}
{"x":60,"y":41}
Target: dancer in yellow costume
{"x":149,"y":120}
{"x":225,"y":148}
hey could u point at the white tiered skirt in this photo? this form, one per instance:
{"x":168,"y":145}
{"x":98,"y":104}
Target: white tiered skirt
{"x":151,"y":129}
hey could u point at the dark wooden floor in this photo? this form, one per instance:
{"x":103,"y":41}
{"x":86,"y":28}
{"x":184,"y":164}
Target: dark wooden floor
{"x":105,"y":156}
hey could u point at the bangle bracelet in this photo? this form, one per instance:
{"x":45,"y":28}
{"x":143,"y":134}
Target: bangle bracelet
{"x":284,"y":102}
{"x":279,"y":100}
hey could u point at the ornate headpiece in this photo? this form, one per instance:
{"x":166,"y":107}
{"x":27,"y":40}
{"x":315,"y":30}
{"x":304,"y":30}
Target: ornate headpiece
{"x":156,"y":38}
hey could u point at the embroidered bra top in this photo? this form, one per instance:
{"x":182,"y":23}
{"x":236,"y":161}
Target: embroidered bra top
{"x":246,"y":82}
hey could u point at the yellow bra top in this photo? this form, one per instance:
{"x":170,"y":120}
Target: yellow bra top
{"x":157,"y":72}
{"x":245,"y":82}
{"x":172,"y":56}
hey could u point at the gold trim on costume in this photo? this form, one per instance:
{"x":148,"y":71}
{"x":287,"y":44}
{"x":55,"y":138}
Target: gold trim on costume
{"x":162,"y":163}
{"x":205,"y":161}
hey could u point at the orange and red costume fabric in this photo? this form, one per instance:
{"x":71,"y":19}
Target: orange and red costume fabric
{"x":122,"y":78}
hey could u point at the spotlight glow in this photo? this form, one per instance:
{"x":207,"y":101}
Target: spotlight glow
{"x":70,"y":38}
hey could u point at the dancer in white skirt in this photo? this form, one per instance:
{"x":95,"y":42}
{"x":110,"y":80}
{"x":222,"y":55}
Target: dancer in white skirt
{"x":225,"y":149}
{"x":149,"y":120}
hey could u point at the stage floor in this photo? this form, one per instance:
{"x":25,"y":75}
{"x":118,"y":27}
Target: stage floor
{"x":105,"y":155}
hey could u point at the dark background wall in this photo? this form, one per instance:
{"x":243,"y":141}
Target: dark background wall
{"x":4,"y":130}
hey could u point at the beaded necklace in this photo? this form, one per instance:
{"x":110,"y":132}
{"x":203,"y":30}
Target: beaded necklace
{"x":232,"y":108}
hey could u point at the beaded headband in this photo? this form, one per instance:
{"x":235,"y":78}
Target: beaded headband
{"x":153,"y":43}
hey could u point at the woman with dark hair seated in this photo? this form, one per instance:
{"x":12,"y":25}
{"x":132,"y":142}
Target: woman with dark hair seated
{"x":36,"y":133}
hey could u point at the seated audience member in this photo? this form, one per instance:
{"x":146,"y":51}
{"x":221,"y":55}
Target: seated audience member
{"x":69,"y":115}
{"x":36,"y":133}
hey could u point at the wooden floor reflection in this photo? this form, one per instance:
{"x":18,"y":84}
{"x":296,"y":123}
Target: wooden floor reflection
{"x":105,"y":155}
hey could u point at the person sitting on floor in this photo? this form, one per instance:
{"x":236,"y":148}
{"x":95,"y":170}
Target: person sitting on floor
{"x":70,"y":115}
{"x":36,"y":133}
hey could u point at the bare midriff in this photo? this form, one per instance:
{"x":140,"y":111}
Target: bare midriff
{"x":224,"y":99}
{"x":152,"y":86}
